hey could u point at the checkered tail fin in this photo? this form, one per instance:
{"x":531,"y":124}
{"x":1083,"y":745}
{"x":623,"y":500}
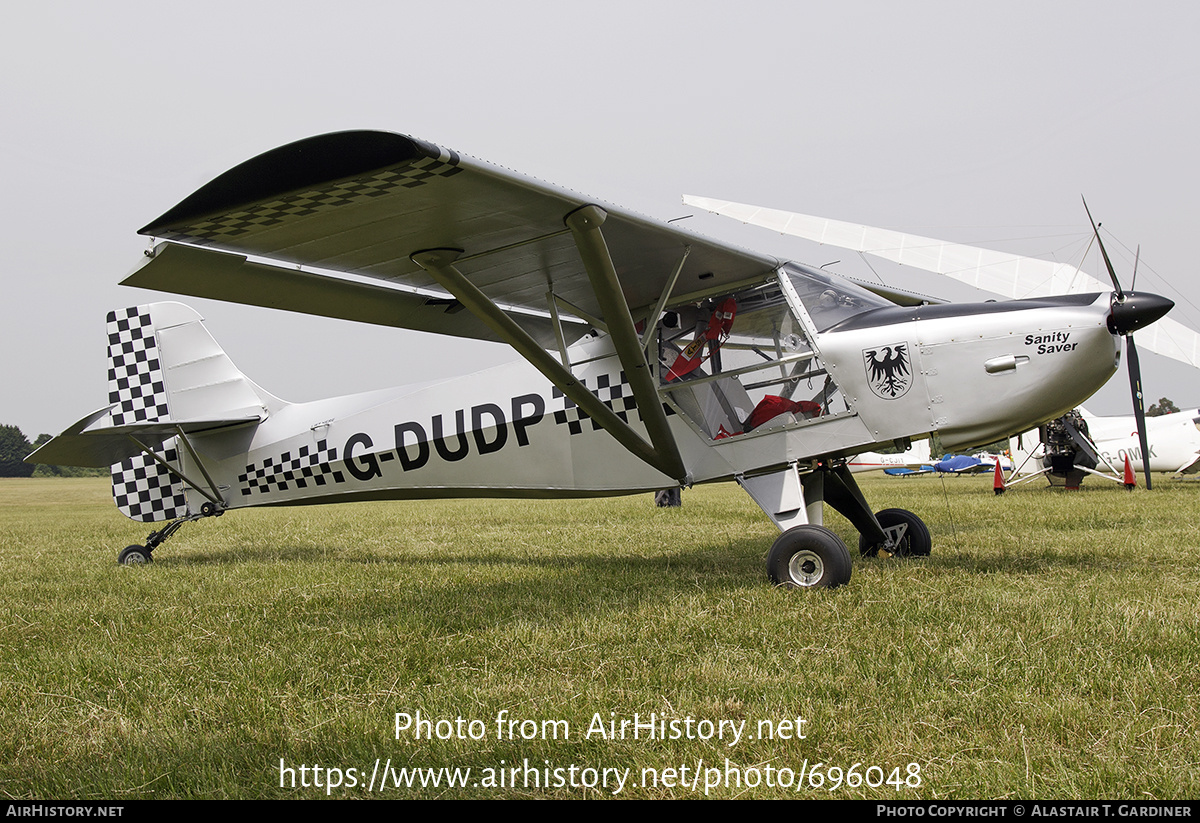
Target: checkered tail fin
{"x":164,"y":367}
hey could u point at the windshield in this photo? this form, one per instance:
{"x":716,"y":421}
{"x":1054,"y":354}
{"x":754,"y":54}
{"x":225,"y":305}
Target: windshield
{"x":829,"y":299}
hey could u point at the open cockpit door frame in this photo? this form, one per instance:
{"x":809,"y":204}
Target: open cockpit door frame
{"x":793,"y":361}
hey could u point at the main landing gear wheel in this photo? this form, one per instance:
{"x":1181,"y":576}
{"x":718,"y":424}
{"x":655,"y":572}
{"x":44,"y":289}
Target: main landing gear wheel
{"x":809,"y":557}
{"x":908,"y":534}
{"x":134,"y":556}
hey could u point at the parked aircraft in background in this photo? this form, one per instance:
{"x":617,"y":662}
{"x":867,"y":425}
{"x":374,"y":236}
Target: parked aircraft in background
{"x":914,"y":456}
{"x":1174,"y":440}
{"x":982,"y":463}
{"x":1066,"y":449}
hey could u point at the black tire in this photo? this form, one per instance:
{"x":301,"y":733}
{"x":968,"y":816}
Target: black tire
{"x":914,"y":540}
{"x":134,"y":556}
{"x":809,"y":557}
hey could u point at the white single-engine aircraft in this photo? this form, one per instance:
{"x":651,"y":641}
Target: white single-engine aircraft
{"x":1078,"y":443}
{"x":1002,"y":273}
{"x":1174,"y":440}
{"x":918,"y":454}
{"x":653,"y":357}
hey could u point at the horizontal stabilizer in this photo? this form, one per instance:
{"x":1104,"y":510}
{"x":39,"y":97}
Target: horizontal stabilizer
{"x":166,"y":376}
{"x":93,"y":443}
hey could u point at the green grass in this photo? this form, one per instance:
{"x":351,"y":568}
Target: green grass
{"x":1050,"y":646}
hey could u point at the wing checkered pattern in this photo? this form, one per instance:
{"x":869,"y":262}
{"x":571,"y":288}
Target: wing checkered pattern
{"x":145,"y":491}
{"x":306,"y":466}
{"x":303,"y":204}
{"x":135,"y":378}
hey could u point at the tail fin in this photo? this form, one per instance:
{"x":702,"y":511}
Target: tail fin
{"x":164,"y":367}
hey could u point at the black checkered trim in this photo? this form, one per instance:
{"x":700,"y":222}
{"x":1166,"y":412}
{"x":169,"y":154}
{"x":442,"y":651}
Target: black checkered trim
{"x":307,"y":466}
{"x":303,"y":204}
{"x":612,"y":390}
{"x":135,"y":378}
{"x":145,"y":491}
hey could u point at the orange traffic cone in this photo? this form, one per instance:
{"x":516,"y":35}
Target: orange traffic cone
{"x":1130,"y":477}
{"x":998,"y":482}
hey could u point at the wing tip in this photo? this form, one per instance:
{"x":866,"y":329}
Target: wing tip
{"x":294,"y":167}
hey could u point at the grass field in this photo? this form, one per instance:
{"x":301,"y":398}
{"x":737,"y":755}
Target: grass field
{"x":1049,"y":648}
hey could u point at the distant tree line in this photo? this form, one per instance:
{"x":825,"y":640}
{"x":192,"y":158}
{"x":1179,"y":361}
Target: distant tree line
{"x":15,"y":447}
{"x":1163,"y":406}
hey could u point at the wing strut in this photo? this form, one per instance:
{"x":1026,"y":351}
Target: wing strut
{"x":585,"y":225}
{"x":440,"y":264}
{"x":656,"y":315}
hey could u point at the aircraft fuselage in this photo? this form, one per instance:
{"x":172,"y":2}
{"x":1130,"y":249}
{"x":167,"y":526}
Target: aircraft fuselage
{"x":974,"y":373}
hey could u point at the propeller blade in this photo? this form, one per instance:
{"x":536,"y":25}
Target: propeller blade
{"x":1139,"y":408}
{"x":1136,"y":257}
{"x":1111,"y":272}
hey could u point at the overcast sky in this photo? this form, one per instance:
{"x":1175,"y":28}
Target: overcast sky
{"x":968,"y":121}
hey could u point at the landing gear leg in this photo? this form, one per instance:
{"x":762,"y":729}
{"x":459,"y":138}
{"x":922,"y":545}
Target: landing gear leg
{"x":136,"y":555}
{"x":807,"y":555}
{"x":896,"y":532}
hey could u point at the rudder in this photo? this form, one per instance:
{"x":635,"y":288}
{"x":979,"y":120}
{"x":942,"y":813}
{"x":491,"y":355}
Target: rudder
{"x":164,"y":366}
{"x":142,"y":488}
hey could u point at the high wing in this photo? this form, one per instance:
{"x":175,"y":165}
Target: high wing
{"x":361,"y":203}
{"x":1010,"y":275}
{"x":394,"y":230}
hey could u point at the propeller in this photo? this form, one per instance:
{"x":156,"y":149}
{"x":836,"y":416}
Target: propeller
{"x":1131,"y":311}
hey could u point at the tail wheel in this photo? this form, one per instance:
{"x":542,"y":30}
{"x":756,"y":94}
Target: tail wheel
{"x":134,"y":556}
{"x":808,"y":557}
{"x":907,"y":533}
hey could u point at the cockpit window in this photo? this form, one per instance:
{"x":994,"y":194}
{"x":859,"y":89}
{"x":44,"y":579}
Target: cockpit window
{"x":742,"y":363}
{"x":830,"y":300}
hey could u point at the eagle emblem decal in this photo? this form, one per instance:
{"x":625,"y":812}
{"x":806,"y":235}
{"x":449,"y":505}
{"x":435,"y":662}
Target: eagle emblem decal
{"x":889,"y":370}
